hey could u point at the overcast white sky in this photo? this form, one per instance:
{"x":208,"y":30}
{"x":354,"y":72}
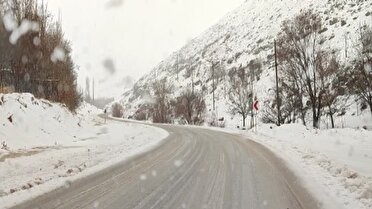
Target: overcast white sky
{"x":134,"y":34}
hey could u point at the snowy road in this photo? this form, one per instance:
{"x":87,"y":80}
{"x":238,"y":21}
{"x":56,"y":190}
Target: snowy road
{"x":194,"y":168}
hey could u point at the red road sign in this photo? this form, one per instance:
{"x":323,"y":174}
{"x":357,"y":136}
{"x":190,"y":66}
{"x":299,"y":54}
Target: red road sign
{"x":255,"y":105}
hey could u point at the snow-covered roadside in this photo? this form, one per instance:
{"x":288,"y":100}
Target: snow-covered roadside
{"x":48,"y":147}
{"x":335,"y":164}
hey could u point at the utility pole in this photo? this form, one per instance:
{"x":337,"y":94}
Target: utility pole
{"x":1,"y":81}
{"x":177,"y":67}
{"x":93,"y":89}
{"x":253,"y":98}
{"x":59,"y":16}
{"x":214,"y":107}
{"x":346,"y":45}
{"x":192,"y":80}
{"x":277,"y":83}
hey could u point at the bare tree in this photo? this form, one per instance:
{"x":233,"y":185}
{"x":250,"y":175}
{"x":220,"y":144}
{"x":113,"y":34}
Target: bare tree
{"x":333,"y":82}
{"x":361,"y":74}
{"x":213,"y":69}
{"x":269,"y":113}
{"x":255,"y":70}
{"x":190,"y":106}
{"x":117,"y":110}
{"x":293,"y":93}
{"x":300,"y":55}
{"x":240,"y":94}
{"x":161,"y":108}
{"x":142,"y":113}
{"x":288,"y":110}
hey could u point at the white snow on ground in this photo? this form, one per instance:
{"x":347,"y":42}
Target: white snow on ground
{"x":46,"y":146}
{"x":335,"y":164}
{"x":36,"y":122}
{"x":87,"y":109}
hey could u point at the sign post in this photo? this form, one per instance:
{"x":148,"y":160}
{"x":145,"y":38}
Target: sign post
{"x":105,"y":112}
{"x":255,"y":107}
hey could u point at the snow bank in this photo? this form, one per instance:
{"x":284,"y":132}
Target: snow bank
{"x":88,"y":109}
{"x":337,"y":160}
{"x":45,"y":146}
{"x":27,"y":122}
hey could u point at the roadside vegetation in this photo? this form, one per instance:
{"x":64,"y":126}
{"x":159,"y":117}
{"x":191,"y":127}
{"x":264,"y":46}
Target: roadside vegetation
{"x":34,"y":55}
{"x":313,"y":79}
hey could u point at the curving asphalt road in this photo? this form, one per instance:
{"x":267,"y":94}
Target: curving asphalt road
{"x":194,"y":168}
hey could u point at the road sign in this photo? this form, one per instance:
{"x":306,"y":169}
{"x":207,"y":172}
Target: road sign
{"x":255,"y":105}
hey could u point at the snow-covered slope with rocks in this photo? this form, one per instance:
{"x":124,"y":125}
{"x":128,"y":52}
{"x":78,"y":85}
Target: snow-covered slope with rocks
{"x":247,"y":34}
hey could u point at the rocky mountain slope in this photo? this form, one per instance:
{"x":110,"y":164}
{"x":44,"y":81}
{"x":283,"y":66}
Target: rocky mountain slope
{"x":245,"y":37}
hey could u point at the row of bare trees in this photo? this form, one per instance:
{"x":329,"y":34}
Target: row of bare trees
{"x":188,"y":107}
{"x":312,"y":78}
{"x":34,"y":55}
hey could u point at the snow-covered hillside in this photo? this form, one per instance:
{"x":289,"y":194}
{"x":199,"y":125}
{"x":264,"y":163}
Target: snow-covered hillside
{"x":247,"y":34}
{"x":44,"y":146}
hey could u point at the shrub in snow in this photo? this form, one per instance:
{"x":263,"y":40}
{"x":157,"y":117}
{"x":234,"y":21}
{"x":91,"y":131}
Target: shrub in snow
{"x":190,"y":106}
{"x":142,"y":113}
{"x":161,"y":107}
{"x":117,"y":110}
